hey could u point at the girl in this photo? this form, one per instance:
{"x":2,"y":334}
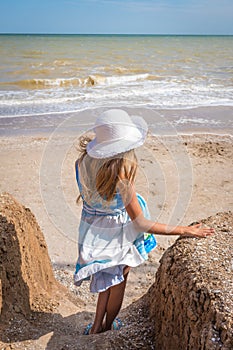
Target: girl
{"x":114,"y":217}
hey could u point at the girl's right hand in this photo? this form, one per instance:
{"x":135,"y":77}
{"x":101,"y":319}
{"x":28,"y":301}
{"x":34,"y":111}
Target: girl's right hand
{"x":198,"y":231}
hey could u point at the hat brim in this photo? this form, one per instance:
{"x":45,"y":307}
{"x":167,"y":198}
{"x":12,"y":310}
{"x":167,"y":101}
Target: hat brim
{"x":114,"y":147}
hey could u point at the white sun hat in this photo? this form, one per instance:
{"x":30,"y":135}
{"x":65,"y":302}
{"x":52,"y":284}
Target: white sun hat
{"x":116,"y":132}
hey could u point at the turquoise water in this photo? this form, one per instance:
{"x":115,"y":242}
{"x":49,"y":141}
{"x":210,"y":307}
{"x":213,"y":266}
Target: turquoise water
{"x":42,"y":74}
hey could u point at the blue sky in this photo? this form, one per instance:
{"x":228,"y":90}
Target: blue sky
{"x":117,"y":16}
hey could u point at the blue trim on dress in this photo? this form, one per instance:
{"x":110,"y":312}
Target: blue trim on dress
{"x":80,"y":266}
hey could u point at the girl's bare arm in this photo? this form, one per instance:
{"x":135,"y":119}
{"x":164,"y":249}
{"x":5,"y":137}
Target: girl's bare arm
{"x":144,"y":225}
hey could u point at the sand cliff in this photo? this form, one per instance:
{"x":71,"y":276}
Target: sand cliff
{"x":192,"y":298}
{"x":27,"y":279}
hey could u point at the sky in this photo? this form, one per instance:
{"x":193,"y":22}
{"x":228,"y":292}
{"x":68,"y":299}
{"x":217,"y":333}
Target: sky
{"x":117,"y":16}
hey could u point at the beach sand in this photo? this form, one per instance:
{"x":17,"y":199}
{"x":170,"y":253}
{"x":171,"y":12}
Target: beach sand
{"x":183,"y":178}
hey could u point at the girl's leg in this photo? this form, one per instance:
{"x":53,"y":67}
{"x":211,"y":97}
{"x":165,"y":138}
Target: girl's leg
{"x":109,"y":303}
{"x":114,"y":302}
{"x":100,"y":312}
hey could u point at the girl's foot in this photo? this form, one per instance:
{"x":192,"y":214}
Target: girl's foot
{"x":87,"y":329}
{"x":117,"y":324}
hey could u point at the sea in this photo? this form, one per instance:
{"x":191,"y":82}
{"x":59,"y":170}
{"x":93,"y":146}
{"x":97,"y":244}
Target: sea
{"x":186,"y":79}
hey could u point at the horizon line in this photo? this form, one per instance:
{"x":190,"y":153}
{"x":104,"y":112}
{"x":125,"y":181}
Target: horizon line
{"x":118,"y":34}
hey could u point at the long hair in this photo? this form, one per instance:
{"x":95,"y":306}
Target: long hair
{"x":102,"y":177}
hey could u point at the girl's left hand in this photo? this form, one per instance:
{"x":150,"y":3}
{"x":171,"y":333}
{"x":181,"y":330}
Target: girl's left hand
{"x":198,"y":231}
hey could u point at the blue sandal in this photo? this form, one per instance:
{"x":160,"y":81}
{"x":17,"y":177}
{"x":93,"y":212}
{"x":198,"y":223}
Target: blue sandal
{"x":87,"y":329}
{"x":117,"y":324}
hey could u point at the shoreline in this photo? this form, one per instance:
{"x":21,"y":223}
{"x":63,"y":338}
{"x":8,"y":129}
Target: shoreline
{"x":190,"y":121}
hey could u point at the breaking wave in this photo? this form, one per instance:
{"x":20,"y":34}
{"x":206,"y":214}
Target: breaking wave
{"x":91,"y":80}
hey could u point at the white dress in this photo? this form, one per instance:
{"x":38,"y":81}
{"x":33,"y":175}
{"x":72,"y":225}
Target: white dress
{"x":108,"y":241}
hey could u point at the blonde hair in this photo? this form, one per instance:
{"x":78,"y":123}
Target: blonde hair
{"x":103,"y":176}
